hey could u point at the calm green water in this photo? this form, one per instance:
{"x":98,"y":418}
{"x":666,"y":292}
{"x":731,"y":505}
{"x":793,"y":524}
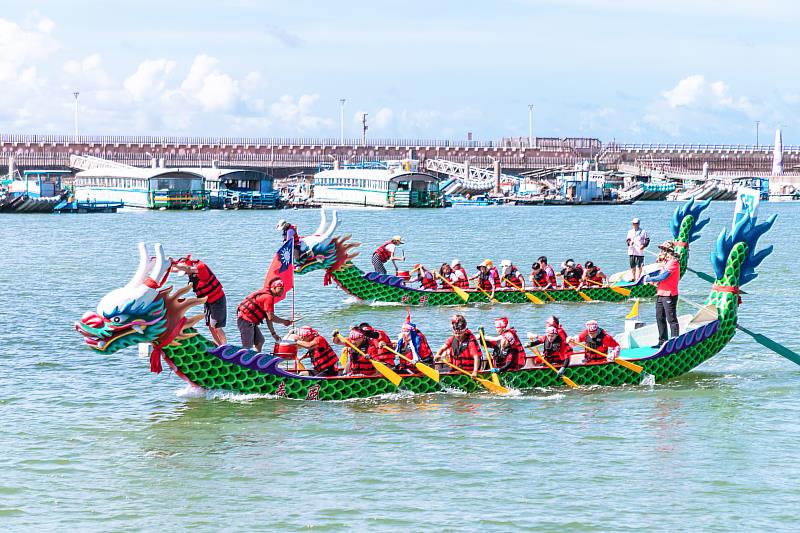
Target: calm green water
{"x":96,"y":442}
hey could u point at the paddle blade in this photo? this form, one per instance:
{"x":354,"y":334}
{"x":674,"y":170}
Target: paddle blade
{"x":630,"y":366}
{"x":776,"y":347}
{"x":586,"y":297}
{"x":387,"y":372}
{"x":571,"y":384}
{"x":496,"y":380}
{"x":496,"y":388}
{"x":428,"y":371}
{"x":460,"y":292}
{"x":634,"y":310}
{"x":548,"y":296}
{"x":534,"y":299}
{"x":620,"y":290}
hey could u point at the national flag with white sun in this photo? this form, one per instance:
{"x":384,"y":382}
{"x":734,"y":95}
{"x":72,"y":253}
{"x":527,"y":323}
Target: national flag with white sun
{"x":282,"y":267}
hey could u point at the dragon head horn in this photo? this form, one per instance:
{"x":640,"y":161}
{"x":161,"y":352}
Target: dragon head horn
{"x":139,"y":275}
{"x":322,"y":222}
{"x":160,"y":267}
{"x":331,"y":228}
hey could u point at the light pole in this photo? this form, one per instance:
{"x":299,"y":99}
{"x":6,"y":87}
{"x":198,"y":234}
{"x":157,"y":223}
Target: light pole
{"x":530,"y":125}
{"x":341,"y":122}
{"x":757,"y":123}
{"x":75,"y":94}
{"x":364,"y":128}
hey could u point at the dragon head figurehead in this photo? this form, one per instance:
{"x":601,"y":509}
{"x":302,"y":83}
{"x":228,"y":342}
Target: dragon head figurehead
{"x":327,"y":252}
{"x":143,"y":311}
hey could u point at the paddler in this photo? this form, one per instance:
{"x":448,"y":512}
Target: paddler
{"x":412,"y":344}
{"x":487,"y":277}
{"x":510,"y":276}
{"x":599,"y":340}
{"x":379,"y":338}
{"x":424,"y":277}
{"x":205,"y":284}
{"x":538,"y":278}
{"x":666,"y":281}
{"x":554,"y":350}
{"x":592,"y":275}
{"x":322,"y":355}
{"x":548,"y":272}
{"x":509,"y":353}
{"x":358,"y":364}
{"x":445,"y":273}
{"x":459,"y":276}
{"x":256,"y":308}
{"x":571,"y":273}
{"x":462,"y":348}
{"x":385,"y":253}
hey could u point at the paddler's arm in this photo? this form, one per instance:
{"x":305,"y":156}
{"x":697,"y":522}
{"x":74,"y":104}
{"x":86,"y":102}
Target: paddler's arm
{"x":476,"y":358}
{"x":655,"y":277}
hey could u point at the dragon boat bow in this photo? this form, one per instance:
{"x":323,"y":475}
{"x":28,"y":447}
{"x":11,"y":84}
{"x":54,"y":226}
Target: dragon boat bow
{"x":144,"y":312}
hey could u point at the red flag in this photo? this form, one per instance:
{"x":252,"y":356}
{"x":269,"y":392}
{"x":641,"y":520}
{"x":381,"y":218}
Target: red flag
{"x":282,"y":268}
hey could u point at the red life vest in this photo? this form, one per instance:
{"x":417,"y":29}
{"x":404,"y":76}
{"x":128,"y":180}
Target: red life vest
{"x":383,"y":253}
{"x":555,"y":352}
{"x":511,"y":279}
{"x":359,"y":364}
{"x":322,"y":356}
{"x":462,"y":351}
{"x":515,"y":350}
{"x":593,"y":274}
{"x":424,"y":352}
{"x":382,"y":354}
{"x":463,"y":281}
{"x":571,"y":276}
{"x":428,"y":282}
{"x":539,"y":279}
{"x":483,"y":280}
{"x":252,"y":309}
{"x":602,"y":342}
{"x":205,"y":283}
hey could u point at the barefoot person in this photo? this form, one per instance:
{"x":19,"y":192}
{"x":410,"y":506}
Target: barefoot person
{"x":256,"y":308}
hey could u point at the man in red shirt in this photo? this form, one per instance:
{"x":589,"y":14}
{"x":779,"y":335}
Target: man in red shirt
{"x":259,"y":307}
{"x":666,"y":281}
{"x":205,"y":284}
{"x":462,"y":347}
{"x":597,"y":339}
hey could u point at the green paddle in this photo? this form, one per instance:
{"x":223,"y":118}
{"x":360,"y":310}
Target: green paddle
{"x":776,"y":347}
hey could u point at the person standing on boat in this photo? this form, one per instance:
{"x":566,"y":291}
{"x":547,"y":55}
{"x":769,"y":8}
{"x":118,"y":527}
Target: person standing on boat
{"x":597,"y":339}
{"x":256,"y":308}
{"x":510,"y":275}
{"x":412,"y":344}
{"x":637,"y":240}
{"x":548,"y":272}
{"x":425,"y":277}
{"x":386,"y":253}
{"x":206,"y":285}
{"x":592,"y":276}
{"x":666,"y":281}
{"x":508,"y":351}
{"x":459,"y":276}
{"x":462,"y":348}
{"x":301,"y":251}
{"x":322,"y":355}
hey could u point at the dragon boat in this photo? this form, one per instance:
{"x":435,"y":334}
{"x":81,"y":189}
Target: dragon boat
{"x":144,"y":311}
{"x":371,"y":286}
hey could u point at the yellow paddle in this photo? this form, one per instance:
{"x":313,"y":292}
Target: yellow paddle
{"x":491,"y":387}
{"x":495,"y":378}
{"x":528,"y":295}
{"x":624,"y":362}
{"x":488,"y":296}
{"x":583,"y":295}
{"x":384,"y":370}
{"x":568,"y":381}
{"x":458,"y":290}
{"x":619,"y":290}
{"x":422,"y":367}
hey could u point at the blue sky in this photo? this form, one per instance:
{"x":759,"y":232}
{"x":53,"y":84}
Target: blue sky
{"x":635,"y":71}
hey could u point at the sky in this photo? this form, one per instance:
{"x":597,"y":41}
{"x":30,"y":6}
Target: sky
{"x":674,"y":71}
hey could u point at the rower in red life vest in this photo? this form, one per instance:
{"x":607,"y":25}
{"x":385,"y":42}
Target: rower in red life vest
{"x":206,"y":285}
{"x":413,"y":345}
{"x":511,"y":276}
{"x":509,"y":354}
{"x":487,"y":277}
{"x":462,"y":348}
{"x":554,"y":322}
{"x":358,"y":364}
{"x":424,"y":277}
{"x":322,"y":355}
{"x":379,"y":338}
{"x":548,"y":272}
{"x":538,"y":278}
{"x":256,"y":308}
{"x":596,"y":338}
{"x":385,"y":253}
{"x":459,"y":276}
{"x":592,"y":276}
{"x":571,"y":273}
{"x":554,"y":350}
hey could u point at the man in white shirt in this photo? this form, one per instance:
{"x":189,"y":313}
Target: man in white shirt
{"x":637,"y":240}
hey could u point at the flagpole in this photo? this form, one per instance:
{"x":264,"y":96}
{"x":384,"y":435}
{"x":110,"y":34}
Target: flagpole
{"x":294,"y":289}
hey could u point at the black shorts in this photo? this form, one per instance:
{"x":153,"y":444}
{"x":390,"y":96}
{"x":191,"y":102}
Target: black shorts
{"x":250,"y":333}
{"x":217,"y":313}
{"x":637,"y":261}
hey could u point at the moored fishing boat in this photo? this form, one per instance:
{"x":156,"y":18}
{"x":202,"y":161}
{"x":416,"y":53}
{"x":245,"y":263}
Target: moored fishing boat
{"x":143,"y":311}
{"x":371,"y":286}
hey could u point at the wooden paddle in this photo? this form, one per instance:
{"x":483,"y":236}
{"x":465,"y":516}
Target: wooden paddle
{"x":384,"y":370}
{"x":422,"y":367}
{"x":624,"y":362}
{"x":495,"y":377}
{"x":619,"y":290}
{"x":582,"y":294}
{"x":568,"y":381}
{"x":528,"y":295}
{"x":488,"y":296}
{"x":488,"y":385}
{"x":464,"y":295}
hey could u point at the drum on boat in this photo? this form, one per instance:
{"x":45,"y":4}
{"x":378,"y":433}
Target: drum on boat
{"x":286,"y":349}
{"x":404,"y":275}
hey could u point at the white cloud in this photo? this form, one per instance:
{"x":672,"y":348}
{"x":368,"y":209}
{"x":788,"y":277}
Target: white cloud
{"x":383,"y":117}
{"x":149,"y":80}
{"x":45,"y":25}
{"x":206,"y":85}
{"x":695,"y":92}
{"x":88,"y":73}
{"x":20,"y":48}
